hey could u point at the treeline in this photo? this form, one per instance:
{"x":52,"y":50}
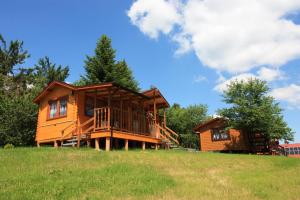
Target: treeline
{"x":250,"y":108}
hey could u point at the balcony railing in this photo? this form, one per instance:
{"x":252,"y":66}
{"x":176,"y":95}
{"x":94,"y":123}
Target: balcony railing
{"x":136,"y":122}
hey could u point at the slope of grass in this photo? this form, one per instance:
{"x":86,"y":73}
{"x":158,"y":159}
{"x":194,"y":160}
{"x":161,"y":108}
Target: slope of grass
{"x":47,"y":173}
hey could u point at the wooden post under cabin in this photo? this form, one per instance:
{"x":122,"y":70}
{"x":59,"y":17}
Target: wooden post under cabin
{"x":55,"y":144}
{"x":107,"y":144}
{"x":126,"y":145}
{"x":156,"y":146}
{"x":144,"y":146}
{"x":97,"y":144}
{"x":38,"y":145}
{"x":88,"y":143}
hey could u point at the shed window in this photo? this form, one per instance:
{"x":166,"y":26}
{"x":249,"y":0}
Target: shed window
{"x":220,"y":134}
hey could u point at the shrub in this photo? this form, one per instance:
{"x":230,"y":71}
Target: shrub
{"x":9,"y":146}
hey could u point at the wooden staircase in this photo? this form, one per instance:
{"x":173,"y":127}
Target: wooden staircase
{"x":73,"y":135}
{"x":169,"y":138}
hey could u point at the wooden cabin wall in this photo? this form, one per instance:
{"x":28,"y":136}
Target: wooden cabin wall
{"x":237,"y":142}
{"x":48,"y":129}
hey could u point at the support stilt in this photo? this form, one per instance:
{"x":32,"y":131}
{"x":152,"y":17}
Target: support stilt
{"x":107,"y":144}
{"x":97,"y":144}
{"x":144,"y":146}
{"x":126,"y":145}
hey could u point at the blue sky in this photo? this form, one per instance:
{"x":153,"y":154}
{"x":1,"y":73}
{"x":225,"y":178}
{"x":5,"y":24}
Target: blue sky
{"x":188,"y":56}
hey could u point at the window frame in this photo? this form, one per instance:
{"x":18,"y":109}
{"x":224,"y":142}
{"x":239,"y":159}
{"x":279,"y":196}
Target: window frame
{"x":221,"y":139}
{"x":86,"y":98}
{"x":57,"y":114}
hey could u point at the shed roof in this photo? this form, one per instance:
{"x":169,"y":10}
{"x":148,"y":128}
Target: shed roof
{"x":208,"y":122}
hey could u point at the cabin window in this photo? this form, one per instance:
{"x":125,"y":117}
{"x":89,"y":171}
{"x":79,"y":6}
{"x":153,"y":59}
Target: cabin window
{"x":58,"y":108}
{"x":89,"y":106}
{"x":220,"y":134}
{"x":63,"y":107}
{"x":53,"y":109}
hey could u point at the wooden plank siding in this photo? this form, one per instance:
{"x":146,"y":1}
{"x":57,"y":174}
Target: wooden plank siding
{"x":237,"y":140}
{"x":48,"y":129}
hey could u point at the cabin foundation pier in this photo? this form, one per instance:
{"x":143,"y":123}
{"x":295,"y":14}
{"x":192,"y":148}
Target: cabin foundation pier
{"x":144,"y":146}
{"x":55,"y":144}
{"x":126,"y":145}
{"x":97,"y":144}
{"x":107,"y":144}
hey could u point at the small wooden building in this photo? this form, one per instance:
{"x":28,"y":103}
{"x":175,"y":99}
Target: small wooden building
{"x":214,"y":137}
{"x":104,"y":113}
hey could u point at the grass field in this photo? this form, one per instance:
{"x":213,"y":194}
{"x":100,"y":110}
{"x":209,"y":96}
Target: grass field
{"x":47,"y":173}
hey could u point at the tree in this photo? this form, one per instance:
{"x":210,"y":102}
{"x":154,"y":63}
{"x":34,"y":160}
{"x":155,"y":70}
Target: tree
{"x":11,"y":56}
{"x":102,"y":67}
{"x":254,"y":111}
{"x":183,"y":120}
{"x":47,"y":71}
{"x":18,"y":88}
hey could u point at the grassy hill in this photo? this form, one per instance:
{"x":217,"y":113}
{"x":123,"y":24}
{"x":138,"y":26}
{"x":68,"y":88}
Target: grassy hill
{"x":47,"y":173}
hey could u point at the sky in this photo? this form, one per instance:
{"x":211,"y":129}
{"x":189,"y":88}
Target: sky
{"x":189,"y":49}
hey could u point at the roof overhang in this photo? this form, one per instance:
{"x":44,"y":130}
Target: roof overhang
{"x":160,"y":100}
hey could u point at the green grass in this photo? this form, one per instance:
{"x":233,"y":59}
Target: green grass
{"x":47,"y":173}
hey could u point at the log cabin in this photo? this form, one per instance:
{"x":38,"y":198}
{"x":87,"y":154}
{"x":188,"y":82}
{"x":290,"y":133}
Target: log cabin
{"x":105,"y":113}
{"x":214,"y":137}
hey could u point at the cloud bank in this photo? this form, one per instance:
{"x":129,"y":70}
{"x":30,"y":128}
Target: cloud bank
{"x":232,"y":36}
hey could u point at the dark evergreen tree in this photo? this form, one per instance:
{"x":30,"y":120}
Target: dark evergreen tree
{"x":11,"y":56}
{"x":102,"y":67}
{"x":47,"y":72}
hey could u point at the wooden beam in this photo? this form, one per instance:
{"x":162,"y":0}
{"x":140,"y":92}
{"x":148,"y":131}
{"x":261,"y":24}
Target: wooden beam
{"x":126,"y":145}
{"x":154,"y":107}
{"x":165,"y":118}
{"x":107,"y":144}
{"x":97,"y":146}
{"x":143,"y":146}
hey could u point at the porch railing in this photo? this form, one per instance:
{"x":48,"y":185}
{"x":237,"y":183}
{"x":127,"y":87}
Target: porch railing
{"x":106,"y":118}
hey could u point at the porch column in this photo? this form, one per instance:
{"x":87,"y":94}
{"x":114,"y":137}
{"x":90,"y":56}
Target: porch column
{"x":97,"y":144}
{"x":165,"y":118}
{"x":154,"y":106}
{"x":107,"y":144}
{"x":55,"y":144}
{"x":144,"y":146}
{"x":126,"y":145}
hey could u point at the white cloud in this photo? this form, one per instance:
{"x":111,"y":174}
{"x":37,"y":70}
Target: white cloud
{"x":289,"y":94}
{"x":155,"y":16}
{"x":264,"y":73}
{"x":222,"y":86}
{"x":233,"y":35}
{"x":199,"y":79}
{"x":269,"y":74}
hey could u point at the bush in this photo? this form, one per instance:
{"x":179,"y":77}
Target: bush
{"x":9,"y":146}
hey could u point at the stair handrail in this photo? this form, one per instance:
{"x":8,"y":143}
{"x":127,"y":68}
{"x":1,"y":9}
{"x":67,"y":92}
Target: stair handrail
{"x":80,"y":129}
{"x":173,"y":132}
{"x":167,"y":134}
{"x":63,"y":130}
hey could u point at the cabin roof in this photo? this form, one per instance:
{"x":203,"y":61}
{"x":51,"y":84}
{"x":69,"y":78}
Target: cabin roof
{"x":106,"y":89}
{"x":207,"y":123}
{"x":160,"y":99}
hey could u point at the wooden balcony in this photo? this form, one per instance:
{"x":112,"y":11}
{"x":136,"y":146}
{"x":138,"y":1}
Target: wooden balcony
{"x":136,"y":122}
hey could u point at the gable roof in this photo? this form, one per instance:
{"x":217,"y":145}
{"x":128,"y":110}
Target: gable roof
{"x":48,"y":88}
{"x":207,"y":123}
{"x":160,"y":99}
{"x":94,"y":87}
